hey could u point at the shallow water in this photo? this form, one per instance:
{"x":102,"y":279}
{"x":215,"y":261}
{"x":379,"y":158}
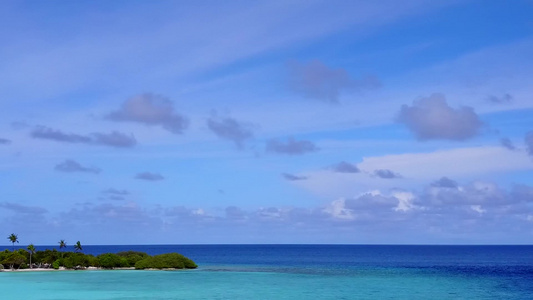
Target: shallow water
{"x":299,"y":272}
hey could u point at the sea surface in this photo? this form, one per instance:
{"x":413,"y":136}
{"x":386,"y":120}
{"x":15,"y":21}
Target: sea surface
{"x":296,"y":272}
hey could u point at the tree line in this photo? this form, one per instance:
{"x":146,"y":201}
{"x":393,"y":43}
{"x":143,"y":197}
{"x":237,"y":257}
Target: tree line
{"x":30,"y":258}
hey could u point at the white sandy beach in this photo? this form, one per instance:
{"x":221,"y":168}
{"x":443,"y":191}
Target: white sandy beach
{"x":60,"y":269}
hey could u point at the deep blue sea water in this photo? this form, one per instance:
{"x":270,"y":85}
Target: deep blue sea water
{"x":297,"y":272}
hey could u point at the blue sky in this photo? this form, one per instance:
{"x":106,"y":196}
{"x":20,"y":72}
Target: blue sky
{"x":135,"y":122}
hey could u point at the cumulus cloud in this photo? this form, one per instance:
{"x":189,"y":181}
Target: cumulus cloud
{"x":367,"y":206}
{"x":345,"y":167}
{"x":445,"y":182}
{"x":71,"y":166}
{"x":318,"y":81}
{"x":507,"y":143}
{"x":432,"y":118}
{"x":23,"y":209}
{"x":291,"y":177}
{"x":4,"y":141}
{"x":476,"y":204}
{"x":230,"y":129}
{"x":386,"y":174}
{"x":291,"y":146}
{"x":153,"y":110}
{"x":474,"y":213}
{"x":113,"y":139}
{"x":148,"y":176}
{"x":504,"y":99}
{"x":529,"y":142}
{"x":235,"y":213}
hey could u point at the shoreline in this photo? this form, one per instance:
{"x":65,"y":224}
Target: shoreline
{"x":62,"y":269}
{"x":87,"y":269}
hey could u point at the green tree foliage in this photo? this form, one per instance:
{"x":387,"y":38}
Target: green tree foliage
{"x":77,"y":260}
{"x":57,"y":263}
{"x":109,"y":261}
{"x":47,"y":256}
{"x":14,"y":259}
{"x":166,"y":261}
{"x":132,"y":257}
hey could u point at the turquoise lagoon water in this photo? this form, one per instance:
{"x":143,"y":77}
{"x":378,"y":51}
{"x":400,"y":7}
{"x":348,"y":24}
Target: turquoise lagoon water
{"x":297,"y":272}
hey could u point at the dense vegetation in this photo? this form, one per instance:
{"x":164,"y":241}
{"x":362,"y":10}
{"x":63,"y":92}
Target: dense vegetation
{"x":20,"y":259}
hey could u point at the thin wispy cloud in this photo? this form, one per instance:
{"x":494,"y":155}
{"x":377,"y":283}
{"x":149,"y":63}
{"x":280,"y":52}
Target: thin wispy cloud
{"x":112,"y":139}
{"x":113,"y":191}
{"x":115,"y":194}
{"x":432,"y":118}
{"x":292,"y":177}
{"x":151,"y":110}
{"x":504,"y":99}
{"x":23,"y":209}
{"x":149,"y":176}
{"x":72,"y":166}
{"x":507,"y":143}
{"x":290,"y":146}
{"x":529,"y":142}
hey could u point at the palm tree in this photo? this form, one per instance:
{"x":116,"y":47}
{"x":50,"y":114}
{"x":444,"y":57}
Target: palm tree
{"x":13,"y":238}
{"x":62,"y":244}
{"x":78,"y":247}
{"x":31,"y":249}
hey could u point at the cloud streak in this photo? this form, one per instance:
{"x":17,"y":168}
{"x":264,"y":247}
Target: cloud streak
{"x":507,"y":143}
{"x":23,"y":209}
{"x":152,"y":110}
{"x":291,"y":146}
{"x":504,"y":99}
{"x":148,"y":176}
{"x":528,"y":139}
{"x":113,"y":139}
{"x":72,"y":166}
{"x":291,"y":177}
{"x":432,"y":118}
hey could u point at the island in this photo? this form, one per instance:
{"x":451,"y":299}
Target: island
{"x":61,"y":260}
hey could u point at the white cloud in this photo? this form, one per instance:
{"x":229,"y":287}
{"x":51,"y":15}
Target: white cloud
{"x":405,"y":201}
{"x":472,"y":161}
{"x":337,"y":209}
{"x":417,"y":169}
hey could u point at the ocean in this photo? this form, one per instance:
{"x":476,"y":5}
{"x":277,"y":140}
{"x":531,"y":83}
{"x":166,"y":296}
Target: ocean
{"x":296,"y":272}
